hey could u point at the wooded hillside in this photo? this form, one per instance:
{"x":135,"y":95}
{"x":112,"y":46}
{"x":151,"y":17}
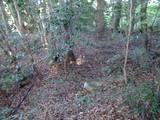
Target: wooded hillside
{"x":79,"y":59}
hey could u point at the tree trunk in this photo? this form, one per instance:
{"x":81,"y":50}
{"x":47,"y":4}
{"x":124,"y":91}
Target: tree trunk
{"x":4,"y":33}
{"x":4,"y":17}
{"x":25,"y":36}
{"x":67,"y":26}
{"x":100,"y":18}
{"x":144,"y":26}
{"x":117,"y":14}
{"x":135,"y":4}
{"x":62,"y":3}
{"x":50,"y":33}
{"x":127,"y":43}
{"x":20,"y":24}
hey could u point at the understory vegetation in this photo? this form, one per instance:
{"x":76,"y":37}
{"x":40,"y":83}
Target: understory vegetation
{"x":79,"y":59}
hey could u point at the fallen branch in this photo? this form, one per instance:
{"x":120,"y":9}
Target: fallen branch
{"x":25,"y":96}
{"x":39,"y":76}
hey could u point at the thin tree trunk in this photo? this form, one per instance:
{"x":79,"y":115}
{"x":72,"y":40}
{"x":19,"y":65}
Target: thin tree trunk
{"x":44,"y":26}
{"x":155,"y":17}
{"x":19,"y":25}
{"x":127,"y":44}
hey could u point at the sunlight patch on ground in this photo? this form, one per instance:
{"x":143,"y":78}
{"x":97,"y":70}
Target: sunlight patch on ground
{"x":54,"y":69}
{"x":10,"y":53}
{"x":80,"y":60}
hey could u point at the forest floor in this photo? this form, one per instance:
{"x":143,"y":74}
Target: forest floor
{"x":61,"y":96}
